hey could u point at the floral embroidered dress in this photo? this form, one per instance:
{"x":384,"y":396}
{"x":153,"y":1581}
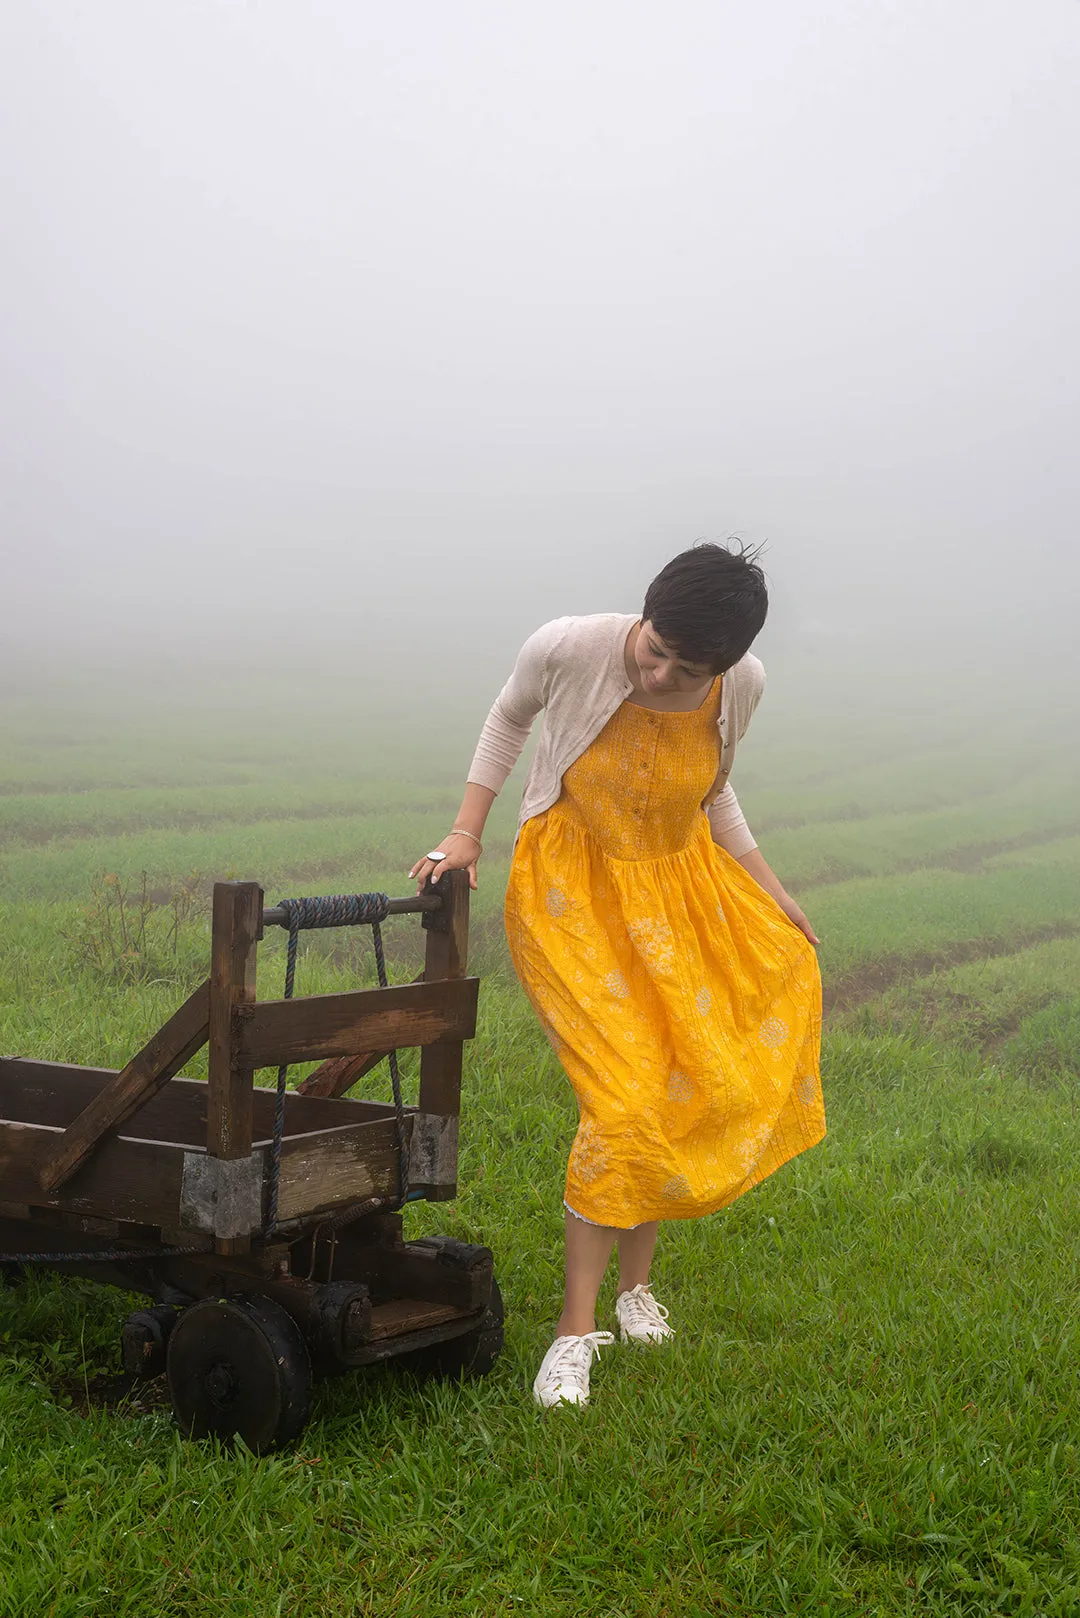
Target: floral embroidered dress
{"x":682,"y":1003}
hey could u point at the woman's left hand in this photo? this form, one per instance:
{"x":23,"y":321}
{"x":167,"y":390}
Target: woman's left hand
{"x":793,"y":913}
{"x":755,"y":864}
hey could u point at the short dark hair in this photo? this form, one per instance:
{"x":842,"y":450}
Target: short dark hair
{"x":708,"y":604}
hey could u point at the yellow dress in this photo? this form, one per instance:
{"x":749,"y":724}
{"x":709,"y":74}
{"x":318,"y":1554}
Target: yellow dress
{"x":683,"y":1004}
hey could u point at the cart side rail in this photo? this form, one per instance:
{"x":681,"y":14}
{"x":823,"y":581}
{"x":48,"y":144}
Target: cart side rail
{"x":350,"y":1032}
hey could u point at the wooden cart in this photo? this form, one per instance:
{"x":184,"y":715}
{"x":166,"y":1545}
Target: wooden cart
{"x":267,"y":1251}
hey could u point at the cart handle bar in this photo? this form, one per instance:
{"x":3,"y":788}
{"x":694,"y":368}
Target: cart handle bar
{"x":278,"y":916}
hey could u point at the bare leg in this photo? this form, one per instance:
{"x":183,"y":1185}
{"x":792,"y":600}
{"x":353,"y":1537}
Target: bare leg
{"x":588,"y":1249}
{"x":635,"y":1254}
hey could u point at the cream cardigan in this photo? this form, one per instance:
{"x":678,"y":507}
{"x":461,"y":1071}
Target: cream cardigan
{"x":574,"y":670}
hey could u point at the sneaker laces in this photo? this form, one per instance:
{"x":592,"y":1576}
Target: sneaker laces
{"x":641,"y":1309}
{"x":577,"y":1353}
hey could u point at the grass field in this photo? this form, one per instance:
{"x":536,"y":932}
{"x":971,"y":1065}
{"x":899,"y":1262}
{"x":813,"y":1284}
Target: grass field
{"x":870,"y":1405}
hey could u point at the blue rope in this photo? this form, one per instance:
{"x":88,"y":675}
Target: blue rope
{"x":335,"y":910}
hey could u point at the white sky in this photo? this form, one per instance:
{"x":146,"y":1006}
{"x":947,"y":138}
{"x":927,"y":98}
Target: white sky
{"x":350,"y":316}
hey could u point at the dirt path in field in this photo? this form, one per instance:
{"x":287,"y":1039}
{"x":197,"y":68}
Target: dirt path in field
{"x":852,"y":989}
{"x":968,"y":859}
{"x":26,"y":834}
{"x":973,"y":856}
{"x":855,"y":811}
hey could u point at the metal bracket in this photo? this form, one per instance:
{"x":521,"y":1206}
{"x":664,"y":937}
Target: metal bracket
{"x":433,"y":1149}
{"x":222,"y":1196}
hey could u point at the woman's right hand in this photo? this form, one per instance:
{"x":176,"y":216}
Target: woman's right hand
{"x":462,"y":853}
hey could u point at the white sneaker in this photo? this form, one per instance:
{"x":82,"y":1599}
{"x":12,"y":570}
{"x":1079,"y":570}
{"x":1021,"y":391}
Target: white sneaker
{"x":641,"y":1319}
{"x":563,"y":1376}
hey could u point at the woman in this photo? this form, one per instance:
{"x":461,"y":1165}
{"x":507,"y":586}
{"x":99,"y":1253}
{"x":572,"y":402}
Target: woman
{"x":674,"y":976}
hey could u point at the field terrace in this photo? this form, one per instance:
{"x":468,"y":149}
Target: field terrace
{"x":870,"y":1404}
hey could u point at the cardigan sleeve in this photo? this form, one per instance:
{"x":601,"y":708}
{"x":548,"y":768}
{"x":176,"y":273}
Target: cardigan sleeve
{"x":507,"y":727}
{"x":726,"y":819}
{"x":728,"y":824}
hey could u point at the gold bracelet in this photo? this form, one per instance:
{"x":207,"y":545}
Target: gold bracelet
{"x":459,"y":831}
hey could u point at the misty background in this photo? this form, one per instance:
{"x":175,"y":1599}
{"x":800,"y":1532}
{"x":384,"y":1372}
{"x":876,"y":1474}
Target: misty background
{"x":358,"y":340}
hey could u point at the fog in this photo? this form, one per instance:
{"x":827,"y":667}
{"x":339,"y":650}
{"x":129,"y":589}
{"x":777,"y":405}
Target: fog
{"x":367,"y":337}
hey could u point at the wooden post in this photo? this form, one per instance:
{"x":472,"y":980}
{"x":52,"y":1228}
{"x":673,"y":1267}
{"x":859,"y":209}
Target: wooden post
{"x":446,"y":956}
{"x":237,"y":928}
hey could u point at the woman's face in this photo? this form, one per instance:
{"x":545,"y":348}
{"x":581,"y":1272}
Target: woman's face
{"x":662,"y":671}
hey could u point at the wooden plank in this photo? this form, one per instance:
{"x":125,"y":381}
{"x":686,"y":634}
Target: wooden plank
{"x":446,"y":959}
{"x":237,"y":928}
{"x":158,"y":1061}
{"x":409,"y":1315}
{"x":342,"y":1072}
{"x":306,"y":1114}
{"x":447,"y":930}
{"x":325,"y":1025}
{"x":337,"y":1166}
{"x":387,"y":1348}
{"x":335,"y":1077}
{"x":330,"y":1168}
{"x":137,"y":1181}
{"x":36,"y":1092}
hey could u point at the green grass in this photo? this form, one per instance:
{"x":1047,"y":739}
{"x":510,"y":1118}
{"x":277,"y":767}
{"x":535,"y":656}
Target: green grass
{"x":869,"y":1406}
{"x":908,"y":915}
{"x":982,"y":1003}
{"x":870,"y":1403}
{"x":961,"y":836}
{"x":1046,"y":1045}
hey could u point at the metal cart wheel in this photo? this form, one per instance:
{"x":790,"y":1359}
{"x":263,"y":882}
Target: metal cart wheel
{"x":239,"y":1368}
{"x":471,"y":1355}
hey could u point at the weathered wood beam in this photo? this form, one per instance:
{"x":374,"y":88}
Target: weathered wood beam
{"x":337,"y":1166}
{"x":237,"y":928}
{"x":367,"y":1020}
{"x":137,"y":1181}
{"x":446,"y":959}
{"x":340,"y":1074}
{"x":36,"y":1092}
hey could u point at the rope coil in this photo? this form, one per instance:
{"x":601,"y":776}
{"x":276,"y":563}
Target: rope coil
{"x":336,"y":910}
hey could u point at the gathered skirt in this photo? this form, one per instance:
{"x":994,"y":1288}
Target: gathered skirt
{"x":683,"y":1005}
